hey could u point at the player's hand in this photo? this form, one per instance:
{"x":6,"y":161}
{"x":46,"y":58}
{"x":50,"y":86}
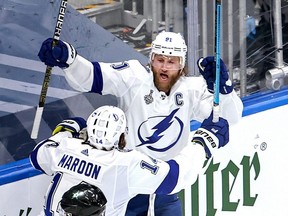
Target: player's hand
{"x":212,"y":135}
{"x":207,"y":68}
{"x":62,"y":55}
{"x":73,"y":125}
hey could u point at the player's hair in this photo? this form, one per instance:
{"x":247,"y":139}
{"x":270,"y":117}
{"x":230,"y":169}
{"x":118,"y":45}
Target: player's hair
{"x":169,"y":44}
{"x":185,"y":71}
{"x":105,"y":126}
{"x":84,"y":200}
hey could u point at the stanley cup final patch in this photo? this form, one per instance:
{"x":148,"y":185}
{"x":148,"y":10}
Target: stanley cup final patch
{"x":148,"y":98}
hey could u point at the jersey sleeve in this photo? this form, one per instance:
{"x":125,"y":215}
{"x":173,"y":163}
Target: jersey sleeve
{"x":147,"y":175}
{"x":80,"y":74}
{"x":44,"y":154}
{"x":231,"y":106}
{"x":184,"y":169}
{"x":104,"y":78}
{"x":190,"y":160}
{"x":120,"y":77}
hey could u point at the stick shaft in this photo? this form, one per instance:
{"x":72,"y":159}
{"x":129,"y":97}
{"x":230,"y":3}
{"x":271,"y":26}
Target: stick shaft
{"x":217,"y":59}
{"x":42,"y":98}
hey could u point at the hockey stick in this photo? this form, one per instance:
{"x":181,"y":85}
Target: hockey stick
{"x":40,"y":107}
{"x":216,"y":108}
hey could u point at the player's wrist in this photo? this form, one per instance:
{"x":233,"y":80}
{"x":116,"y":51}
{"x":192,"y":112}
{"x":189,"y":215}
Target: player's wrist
{"x":72,"y":53}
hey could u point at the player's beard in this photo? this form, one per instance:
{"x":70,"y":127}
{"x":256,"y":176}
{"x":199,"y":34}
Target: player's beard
{"x":165,"y":86}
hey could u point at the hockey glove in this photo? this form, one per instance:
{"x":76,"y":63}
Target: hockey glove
{"x":207,"y":69}
{"x":212,"y":135}
{"x":61,"y":55}
{"x":73,"y":125}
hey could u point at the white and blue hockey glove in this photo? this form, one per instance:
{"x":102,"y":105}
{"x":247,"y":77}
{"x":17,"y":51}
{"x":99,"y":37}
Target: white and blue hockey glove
{"x":73,"y":125}
{"x":207,"y":70}
{"x":212,"y":135}
{"x":61,"y":55}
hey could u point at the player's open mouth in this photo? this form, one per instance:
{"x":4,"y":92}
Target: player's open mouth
{"x":164,"y":76}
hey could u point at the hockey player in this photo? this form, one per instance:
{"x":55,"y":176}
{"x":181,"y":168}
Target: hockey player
{"x":159,"y":100}
{"x":101,"y":160}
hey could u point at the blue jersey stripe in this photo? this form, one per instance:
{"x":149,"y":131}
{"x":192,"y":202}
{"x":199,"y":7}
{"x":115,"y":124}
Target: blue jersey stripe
{"x":170,"y":180}
{"x":97,"y":85}
{"x":33,"y":157}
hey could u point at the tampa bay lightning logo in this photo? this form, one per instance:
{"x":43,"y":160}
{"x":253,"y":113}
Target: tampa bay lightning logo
{"x":163,"y":126}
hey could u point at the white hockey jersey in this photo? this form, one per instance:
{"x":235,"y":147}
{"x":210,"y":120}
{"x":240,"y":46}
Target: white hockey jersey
{"x":120,"y":175}
{"x":158,"y":125}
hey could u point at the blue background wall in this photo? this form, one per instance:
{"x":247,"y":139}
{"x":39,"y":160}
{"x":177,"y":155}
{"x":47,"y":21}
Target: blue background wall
{"x":24,"y":25}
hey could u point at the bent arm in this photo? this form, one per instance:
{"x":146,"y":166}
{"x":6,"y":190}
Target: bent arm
{"x":43,"y":155}
{"x":190,"y":163}
{"x":160,"y":177}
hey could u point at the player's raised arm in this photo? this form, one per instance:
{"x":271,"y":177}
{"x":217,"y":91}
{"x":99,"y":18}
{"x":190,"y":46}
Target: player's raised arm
{"x":205,"y":142}
{"x":230,"y":105}
{"x":65,"y":56}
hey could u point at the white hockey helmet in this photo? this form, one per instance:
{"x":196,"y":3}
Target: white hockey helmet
{"x":169,"y":44}
{"x":104,"y":127}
